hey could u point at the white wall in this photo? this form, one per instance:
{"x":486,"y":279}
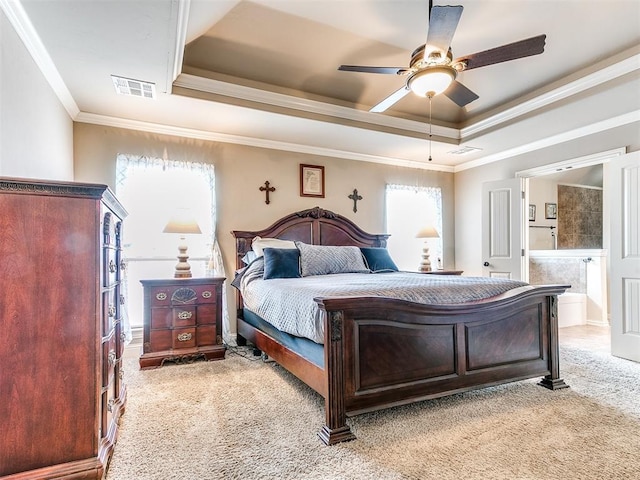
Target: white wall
{"x":36,"y":133}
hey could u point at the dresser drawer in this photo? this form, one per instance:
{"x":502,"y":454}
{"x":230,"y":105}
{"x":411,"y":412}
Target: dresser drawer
{"x":110,"y":309}
{"x":109,"y":359}
{"x":110,"y":266}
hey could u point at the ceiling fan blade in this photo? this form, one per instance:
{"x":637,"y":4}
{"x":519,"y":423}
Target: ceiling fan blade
{"x":512,"y":51}
{"x":442,"y":25}
{"x":390,"y":100}
{"x":385,"y":70}
{"x":460,"y":94}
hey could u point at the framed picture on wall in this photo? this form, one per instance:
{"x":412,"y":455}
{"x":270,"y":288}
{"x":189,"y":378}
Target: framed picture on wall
{"x":551,"y":211}
{"x":532,"y":213}
{"x":311,"y":181}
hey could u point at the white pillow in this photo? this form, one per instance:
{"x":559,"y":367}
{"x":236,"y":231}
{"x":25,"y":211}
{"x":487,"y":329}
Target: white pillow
{"x":259,"y":243}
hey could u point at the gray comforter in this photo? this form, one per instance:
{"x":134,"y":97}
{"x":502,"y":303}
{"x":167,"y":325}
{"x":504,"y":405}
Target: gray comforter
{"x":289,"y":306}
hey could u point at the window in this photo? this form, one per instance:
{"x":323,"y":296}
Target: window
{"x":152,"y":190}
{"x":409,"y":209}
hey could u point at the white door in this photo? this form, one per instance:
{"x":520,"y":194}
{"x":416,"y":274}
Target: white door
{"x":624,"y":184}
{"x":503,"y":209}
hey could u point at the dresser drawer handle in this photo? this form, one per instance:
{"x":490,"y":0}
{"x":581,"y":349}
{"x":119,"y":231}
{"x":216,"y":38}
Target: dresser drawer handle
{"x":110,"y":405}
{"x":122,"y":300}
{"x":206,"y":294}
{"x":184,"y":337}
{"x":161,"y":296}
{"x":123,"y":336}
{"x":112,"y":311}
{"x":111,"y":358}
{"x":112,"y":266}
{"x":185,"y":315}
{"x":123,"y":265}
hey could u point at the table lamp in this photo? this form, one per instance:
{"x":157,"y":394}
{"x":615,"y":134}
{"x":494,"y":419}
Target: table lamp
{"x":182,"y":223}
{"x":426,"y":232}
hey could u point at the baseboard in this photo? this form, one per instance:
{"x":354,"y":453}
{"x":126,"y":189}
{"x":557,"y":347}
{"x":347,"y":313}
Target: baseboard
{"x":136,"y":336}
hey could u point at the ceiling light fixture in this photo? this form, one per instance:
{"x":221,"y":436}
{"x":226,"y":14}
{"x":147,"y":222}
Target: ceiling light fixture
{"x":431,"y":80}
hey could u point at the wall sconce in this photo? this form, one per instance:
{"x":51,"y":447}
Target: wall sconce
{"x":426,"y":232}
{"x":182,"y":223}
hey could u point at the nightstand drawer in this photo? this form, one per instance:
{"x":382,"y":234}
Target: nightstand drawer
{"x":173,"y":339}
{"x":173,"y":317}
{"x":206,"y":335}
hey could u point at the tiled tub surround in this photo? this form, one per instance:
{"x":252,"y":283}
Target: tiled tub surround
{"x":579,"y":217}
{"x":584,"y":270}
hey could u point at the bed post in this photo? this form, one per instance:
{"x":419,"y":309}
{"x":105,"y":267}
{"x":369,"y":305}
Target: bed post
{"x":336,"y":429}
{"x":553,"y":381}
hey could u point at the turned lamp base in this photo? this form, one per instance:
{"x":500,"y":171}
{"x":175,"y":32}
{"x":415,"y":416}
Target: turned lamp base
{"x":183,"y":269}
{"x":425,"y":263}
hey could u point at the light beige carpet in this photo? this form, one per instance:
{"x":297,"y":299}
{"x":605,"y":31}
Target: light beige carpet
{"x":244,"y":419}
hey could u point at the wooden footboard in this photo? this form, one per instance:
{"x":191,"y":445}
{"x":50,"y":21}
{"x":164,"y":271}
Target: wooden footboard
{"x":384,"y":352}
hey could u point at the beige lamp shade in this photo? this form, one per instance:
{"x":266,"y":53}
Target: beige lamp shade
{"x":183,"y":223}
{"x":428,"y":231}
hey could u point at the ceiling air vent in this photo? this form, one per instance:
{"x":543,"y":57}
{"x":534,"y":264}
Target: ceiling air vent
{"x":134,"y":88}
{"x":464,"y":150}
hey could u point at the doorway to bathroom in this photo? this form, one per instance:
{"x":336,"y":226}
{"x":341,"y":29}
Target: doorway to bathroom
{"x":565,"y":235}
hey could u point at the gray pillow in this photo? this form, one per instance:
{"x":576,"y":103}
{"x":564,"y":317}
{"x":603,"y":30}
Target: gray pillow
{"x":325,"y":260}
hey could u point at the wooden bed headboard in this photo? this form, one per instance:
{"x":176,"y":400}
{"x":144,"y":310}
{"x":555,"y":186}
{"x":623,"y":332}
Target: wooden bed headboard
{"x":314,"y":226}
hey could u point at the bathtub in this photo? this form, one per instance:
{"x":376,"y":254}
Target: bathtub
{"x":572,"y":309}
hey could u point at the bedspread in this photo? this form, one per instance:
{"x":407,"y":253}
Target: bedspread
{"x":289,"y":306}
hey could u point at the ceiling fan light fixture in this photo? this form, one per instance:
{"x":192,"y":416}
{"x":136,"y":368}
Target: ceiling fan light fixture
{"x":431,"y":81}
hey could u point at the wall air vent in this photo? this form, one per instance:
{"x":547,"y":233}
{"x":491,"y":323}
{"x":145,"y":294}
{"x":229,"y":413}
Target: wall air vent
{"x":464,"y":150}
{"x":134,"y":88}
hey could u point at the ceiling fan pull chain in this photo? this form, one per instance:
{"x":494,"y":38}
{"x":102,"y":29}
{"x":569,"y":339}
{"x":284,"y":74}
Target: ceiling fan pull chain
{"x":430,"y":97}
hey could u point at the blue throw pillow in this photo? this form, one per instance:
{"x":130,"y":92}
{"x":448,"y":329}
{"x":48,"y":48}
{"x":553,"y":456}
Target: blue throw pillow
{"x":378,"y":259}
{"x":281,"y":263}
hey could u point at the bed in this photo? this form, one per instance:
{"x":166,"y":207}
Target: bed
{"x":380,"y":352}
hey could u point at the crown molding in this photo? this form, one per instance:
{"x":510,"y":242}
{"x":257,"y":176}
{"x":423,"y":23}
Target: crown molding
{"x":24,"y":28}
{"x":227,"y":89}
{"x":603,"y":75}
{"x":180,"y":15}
{"x":253,"y":142}
{"x":569,"y":135}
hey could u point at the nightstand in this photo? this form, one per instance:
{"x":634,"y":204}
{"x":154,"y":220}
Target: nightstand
{"x":182,"y":320}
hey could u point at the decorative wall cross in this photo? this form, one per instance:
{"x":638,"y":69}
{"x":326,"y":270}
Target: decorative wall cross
{"x":355,"y":197}
{"x":266,"y":189}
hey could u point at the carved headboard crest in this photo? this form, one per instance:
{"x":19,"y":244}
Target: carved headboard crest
{"x":316,"y":212}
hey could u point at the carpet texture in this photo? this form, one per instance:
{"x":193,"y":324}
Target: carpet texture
{"x":245,"y":419}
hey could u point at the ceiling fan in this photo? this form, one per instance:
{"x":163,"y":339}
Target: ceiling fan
{"x":432,"y":69}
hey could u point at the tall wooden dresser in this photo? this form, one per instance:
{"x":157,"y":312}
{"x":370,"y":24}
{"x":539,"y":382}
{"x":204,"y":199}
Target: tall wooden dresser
{"x":61,"y":388}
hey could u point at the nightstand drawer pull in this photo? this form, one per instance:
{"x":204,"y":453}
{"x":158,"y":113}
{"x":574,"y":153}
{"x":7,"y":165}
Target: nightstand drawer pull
{"x":112,"y":311}
{"x":111,"y":358}
{"x":185,"y":315}
{"x":123,"y":265}
{"x":161,"y":296}
{"x":110,"y":405}
{"x":206,"y":294}
{"x":112,"y":266}
{"x":184,"y":337}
